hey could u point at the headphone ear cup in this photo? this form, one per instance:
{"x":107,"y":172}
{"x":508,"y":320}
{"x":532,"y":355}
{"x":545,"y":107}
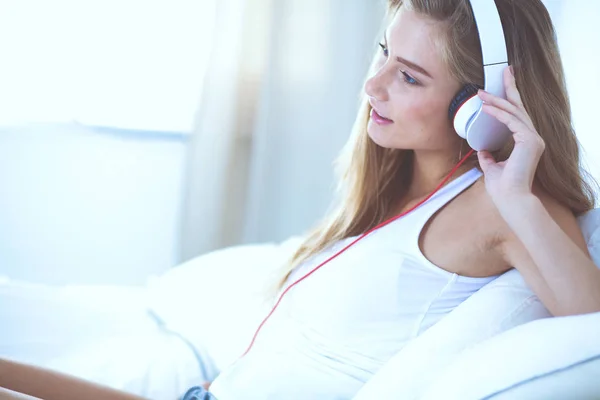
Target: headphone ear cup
{"x":467,"y":92}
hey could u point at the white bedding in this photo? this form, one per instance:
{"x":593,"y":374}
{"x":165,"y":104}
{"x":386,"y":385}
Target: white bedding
{"x":107,"y":334}
{"x":110,"y":334}
{"x":101,"y":333}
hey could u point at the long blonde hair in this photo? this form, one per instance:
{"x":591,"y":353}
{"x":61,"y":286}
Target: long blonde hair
{"x":373,"y":179}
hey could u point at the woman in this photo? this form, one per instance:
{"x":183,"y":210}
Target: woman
{"x":515,"y":208}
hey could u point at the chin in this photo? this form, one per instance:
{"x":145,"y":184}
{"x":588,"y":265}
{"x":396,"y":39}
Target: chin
{"x":382,"y":136}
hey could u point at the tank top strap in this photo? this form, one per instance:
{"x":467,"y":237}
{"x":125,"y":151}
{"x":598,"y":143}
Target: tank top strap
{"x":412,"y":223}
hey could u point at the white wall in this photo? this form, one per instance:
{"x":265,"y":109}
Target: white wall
{"x":127,"y":63}
{"x":579,"y":40}
{"x":83,"y":206}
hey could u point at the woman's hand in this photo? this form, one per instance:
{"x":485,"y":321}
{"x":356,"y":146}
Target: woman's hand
{"x":512,"y":179}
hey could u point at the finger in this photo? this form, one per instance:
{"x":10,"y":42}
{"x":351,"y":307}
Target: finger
{"x":485,"y":160}
{"x":505,"y":105}
{"x":516,"y":125}
{"x":529,"y":146}
{"x":513,"y":95}
{"x":488,"y":164}
{"x":510,"y":85}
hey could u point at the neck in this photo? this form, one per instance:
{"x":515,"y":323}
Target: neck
{"x":429,"y":169}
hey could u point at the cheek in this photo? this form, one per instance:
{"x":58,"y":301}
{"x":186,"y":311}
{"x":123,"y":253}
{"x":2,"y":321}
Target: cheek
{"x":429,"y":117}
{"x":426,"y":111}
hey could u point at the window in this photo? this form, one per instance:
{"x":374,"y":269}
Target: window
{"x":134,"y":64}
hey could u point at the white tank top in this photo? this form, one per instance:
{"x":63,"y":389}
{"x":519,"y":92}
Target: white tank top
{"x":337,"y":328}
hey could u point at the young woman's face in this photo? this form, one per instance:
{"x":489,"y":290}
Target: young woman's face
{"x":411,"y":90}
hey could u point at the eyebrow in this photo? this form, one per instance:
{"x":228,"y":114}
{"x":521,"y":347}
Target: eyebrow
{"x":411,"y":64}
{"x":414,"y":66}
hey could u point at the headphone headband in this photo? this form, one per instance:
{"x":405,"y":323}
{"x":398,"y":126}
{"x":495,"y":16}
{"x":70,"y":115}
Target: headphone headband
{"x":491,"y":34}
{"x":482,"y":131}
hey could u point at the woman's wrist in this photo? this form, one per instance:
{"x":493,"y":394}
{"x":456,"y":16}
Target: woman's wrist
{"x":517,"y":209}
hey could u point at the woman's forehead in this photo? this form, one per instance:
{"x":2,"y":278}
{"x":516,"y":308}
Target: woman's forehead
{"x":414,"y":37}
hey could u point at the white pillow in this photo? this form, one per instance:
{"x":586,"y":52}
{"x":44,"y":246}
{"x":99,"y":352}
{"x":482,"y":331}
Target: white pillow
{"x":502,"y":304}
{"x":96,"y":332}
{"x":553,"y":358}
{"x":590,"y":227}
{"x":217,"y":300}
{"x":40,"y":322}
{"x":561,"y":365}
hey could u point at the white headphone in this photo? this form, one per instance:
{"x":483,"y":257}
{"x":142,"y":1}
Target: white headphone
{"x":481,"y":130}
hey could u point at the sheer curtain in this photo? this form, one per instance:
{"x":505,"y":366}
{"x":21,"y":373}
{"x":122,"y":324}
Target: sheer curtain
{"x":219,"y":150}
{"x":279,"y":100}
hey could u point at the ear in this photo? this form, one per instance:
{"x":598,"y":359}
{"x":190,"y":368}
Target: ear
{"x":464,"y":94}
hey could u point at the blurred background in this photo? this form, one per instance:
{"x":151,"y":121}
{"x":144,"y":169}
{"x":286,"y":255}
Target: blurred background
{"x":135,"y":135}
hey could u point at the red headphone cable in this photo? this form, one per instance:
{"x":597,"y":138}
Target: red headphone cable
{"x":356,"y":240}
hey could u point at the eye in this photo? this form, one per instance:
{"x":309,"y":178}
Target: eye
{"x":409,"y":79}
{"x":384,"y":49}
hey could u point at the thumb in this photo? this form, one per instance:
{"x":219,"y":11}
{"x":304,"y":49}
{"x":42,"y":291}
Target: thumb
{"x":486,"y":161}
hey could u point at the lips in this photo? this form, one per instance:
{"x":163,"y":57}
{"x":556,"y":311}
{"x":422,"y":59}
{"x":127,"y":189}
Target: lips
{"x":378,"y":116}
{"x":381,"y":116}
{"x":379,"y":119}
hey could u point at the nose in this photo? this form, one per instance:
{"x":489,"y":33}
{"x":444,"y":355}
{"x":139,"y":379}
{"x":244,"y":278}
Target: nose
{"x":377,"y":85}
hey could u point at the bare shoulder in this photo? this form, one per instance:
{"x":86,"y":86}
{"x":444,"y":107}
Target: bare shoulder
{"x":505,"y":237}
{"x":479,"y":204}
{"x":473,"y":234}
{"x":492,"y":229}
